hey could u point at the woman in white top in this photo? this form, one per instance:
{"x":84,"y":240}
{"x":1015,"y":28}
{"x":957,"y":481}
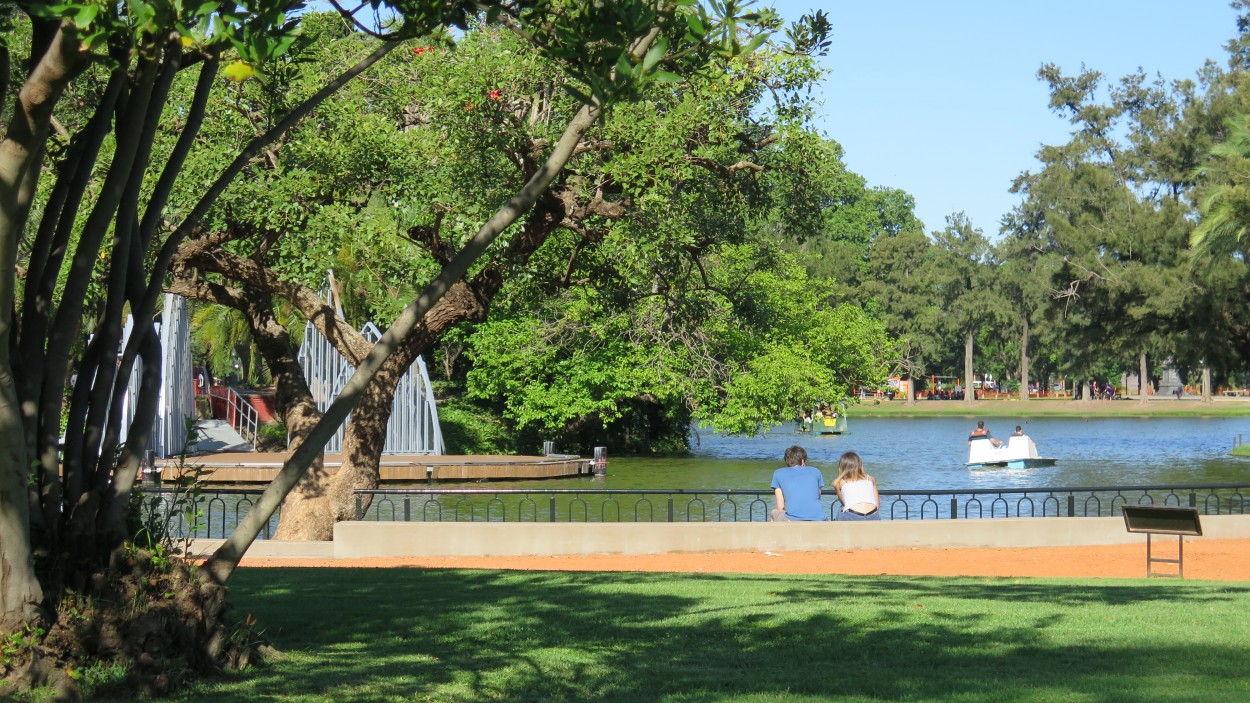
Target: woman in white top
{"x":856,"y":489}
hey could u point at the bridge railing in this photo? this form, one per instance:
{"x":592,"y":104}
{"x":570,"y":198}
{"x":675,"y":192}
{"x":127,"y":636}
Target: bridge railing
{"x":217,"y":511}
{"x":238,"y":411}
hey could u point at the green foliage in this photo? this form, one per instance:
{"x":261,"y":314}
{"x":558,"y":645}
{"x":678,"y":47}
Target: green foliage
{"x":222,"y":338}
{"x":469,"y":429}
{"x":1104,"y":213}
{"x":271,"y":437}
{"x":1225,"y":206}
{"x":258,"y":31}
{"x":18,"y":646}
{"x":743,"y":350}
{"x":352,"y":192}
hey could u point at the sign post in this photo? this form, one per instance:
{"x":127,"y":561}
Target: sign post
{"x":1161,"y":520}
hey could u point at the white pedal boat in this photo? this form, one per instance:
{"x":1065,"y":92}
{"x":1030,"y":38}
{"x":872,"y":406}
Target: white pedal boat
{"x":1018,"y":453}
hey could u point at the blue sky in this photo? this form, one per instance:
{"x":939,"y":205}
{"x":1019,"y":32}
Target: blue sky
{"x":942,"y":100}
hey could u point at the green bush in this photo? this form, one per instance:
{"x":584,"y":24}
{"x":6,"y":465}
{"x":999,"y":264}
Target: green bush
{"x":271,"y":437}
{"x":468,"y":429}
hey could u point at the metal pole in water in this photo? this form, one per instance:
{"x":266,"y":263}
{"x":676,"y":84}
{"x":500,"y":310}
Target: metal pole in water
{"x":148,"y":467}
{"x":601,"y":461}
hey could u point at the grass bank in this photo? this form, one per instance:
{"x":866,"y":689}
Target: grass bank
{"x":459,"y":636}
{"x":1049,"y":407}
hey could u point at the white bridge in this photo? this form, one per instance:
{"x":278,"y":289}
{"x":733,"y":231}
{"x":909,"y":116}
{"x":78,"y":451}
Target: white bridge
{"x":413,"y":427}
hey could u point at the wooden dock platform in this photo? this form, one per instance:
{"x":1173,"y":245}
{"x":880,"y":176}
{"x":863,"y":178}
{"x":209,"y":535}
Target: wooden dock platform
{"x":261,"y":467}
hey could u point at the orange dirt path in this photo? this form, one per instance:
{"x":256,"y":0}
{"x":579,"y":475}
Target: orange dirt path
{"x":1220,"y":560}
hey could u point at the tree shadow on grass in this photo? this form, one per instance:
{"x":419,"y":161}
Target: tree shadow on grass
{"x":405,"y":634}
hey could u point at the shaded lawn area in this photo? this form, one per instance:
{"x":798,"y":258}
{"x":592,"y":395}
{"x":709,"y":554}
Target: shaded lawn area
{"x":418,"y":635}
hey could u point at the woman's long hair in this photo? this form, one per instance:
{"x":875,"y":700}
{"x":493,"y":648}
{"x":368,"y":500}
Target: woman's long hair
{"x":851,"y":468}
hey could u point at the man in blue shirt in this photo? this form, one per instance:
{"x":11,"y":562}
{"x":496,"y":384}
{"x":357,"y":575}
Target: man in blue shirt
{"x":797,"y":488}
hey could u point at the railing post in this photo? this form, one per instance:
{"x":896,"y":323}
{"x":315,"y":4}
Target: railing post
{"x":670,"y":508}
{"x":553,"y":508}
{"x":954,"y":507}
{"x":1193,"y":499}
{"x":1071,"y":506}
{"x":407,"y":508}
{"x":360,"y":506}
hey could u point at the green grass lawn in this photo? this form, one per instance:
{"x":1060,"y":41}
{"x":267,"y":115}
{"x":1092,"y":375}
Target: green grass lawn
{"x":418,"y":635}
{"x":1050,"y":407}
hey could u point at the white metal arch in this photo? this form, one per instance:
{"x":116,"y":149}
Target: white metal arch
{"x":413,"y":427}
{"x":177,"y":395}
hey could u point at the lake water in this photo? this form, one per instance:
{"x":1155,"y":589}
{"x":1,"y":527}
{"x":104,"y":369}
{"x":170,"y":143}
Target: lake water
{"x":929,"y":453}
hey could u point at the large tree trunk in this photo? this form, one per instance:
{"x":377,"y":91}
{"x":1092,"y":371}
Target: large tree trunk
{"x":21,"y":159}
{"x":1145,"y":379}
{"x":20,"y":593}
{"x":318,"y":502}
{"x":1024,"y":360}
{"x":321,"y":499}
{"x":293,"y":399}
{"x":969,"y":393}
{"x":1206,"y":384}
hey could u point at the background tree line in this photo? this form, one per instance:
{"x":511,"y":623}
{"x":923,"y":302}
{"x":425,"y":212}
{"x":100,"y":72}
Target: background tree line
{"x":1093,"y":275}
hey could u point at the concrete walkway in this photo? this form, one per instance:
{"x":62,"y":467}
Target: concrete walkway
{"x":218,"y":436}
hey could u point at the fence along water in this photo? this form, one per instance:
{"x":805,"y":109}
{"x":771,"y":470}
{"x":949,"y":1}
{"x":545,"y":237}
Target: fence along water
{"x":220,"y":509}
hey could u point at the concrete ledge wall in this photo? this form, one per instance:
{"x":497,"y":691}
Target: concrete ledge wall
{"x":269,"y":548}
{"x":399,"y":539}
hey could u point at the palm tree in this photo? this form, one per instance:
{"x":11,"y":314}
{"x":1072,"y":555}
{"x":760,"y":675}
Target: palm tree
{"x":1225,"y":207}
{"x":223,"y":335}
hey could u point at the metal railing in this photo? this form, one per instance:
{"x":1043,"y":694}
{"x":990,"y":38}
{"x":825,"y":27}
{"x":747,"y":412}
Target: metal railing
{"x":219,"y":510}
{"x":727,"y":505}
{"x":239,"y":411}
{"x":210,"y":514}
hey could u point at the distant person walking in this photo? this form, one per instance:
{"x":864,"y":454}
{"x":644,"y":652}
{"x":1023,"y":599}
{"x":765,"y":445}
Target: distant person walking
{"x":797,"y":489}
{"x":857,"y":490}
